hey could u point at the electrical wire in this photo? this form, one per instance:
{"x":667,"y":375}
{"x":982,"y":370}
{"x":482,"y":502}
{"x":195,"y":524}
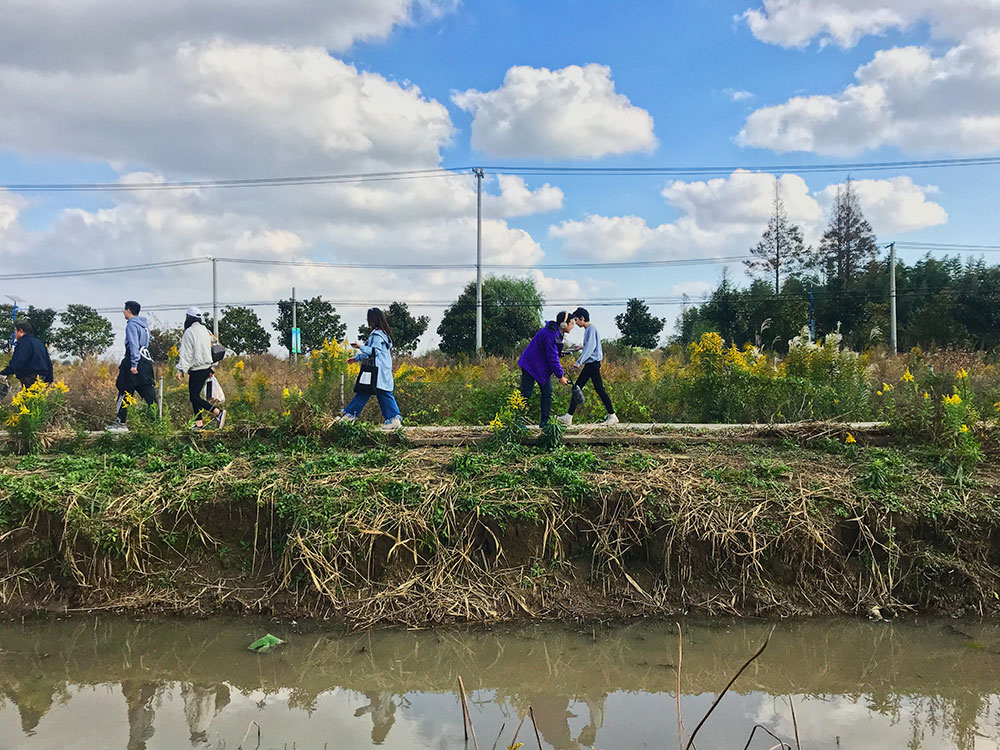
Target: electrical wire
{"x":360,"y":177}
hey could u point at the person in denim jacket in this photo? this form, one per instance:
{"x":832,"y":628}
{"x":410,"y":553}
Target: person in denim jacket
{"x":379,"y":345}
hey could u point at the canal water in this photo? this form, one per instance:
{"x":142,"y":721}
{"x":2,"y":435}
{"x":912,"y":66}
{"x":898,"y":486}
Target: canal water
{"x":127,"y":684}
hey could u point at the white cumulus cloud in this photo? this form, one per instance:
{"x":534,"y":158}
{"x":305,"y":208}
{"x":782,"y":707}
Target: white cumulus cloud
{"x":726,"y":216}
{"x":570,"y":113}
{"x":905,"y":97}
{"x":795,"y":23}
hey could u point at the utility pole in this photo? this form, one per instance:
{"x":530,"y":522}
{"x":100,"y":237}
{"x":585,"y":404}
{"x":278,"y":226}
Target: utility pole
{"x":215,"y":298}
{"x":478,"y":171}
{"x":812,"y":324}
{"x":295,"y":330}
{"x":892,"y":298}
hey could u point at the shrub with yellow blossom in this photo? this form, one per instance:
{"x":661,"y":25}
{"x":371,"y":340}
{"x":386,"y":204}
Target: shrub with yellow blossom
{"x":31,"y":410}
{"x":327,"y":364}
{"x":510,"y":420}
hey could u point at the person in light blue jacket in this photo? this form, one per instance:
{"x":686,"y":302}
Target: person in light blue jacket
{"x":379,"y":345}
{"x":590,"y":360}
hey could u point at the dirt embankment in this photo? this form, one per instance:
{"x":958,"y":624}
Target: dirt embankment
{"x":435,"y":535}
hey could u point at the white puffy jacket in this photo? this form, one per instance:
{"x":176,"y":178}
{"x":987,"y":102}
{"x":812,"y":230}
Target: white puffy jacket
{"x":196,"y":349}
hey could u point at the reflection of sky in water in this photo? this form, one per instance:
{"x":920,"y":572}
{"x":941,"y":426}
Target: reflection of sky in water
{"x":179,"y":715}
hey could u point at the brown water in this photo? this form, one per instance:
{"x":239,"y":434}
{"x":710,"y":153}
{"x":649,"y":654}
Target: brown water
{"x":118,"y":683}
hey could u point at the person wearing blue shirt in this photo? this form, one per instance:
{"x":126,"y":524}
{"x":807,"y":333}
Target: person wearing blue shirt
{"x":379,"y":346}
{"x":590,"y":360}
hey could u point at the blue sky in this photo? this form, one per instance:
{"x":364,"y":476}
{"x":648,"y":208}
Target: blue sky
{"x":244,"y":90}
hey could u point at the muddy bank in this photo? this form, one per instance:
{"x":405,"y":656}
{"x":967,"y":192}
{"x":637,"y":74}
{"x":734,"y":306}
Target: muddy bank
{"x":382,"y":535}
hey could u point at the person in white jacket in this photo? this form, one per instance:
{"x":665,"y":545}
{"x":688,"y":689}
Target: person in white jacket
{"x":195,"y":359}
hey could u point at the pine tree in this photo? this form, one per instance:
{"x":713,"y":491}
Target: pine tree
{"x":848,"y":243}
{"x":781,"y":249}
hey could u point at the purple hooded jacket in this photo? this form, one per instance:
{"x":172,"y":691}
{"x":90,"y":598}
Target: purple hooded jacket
{"x":540,"y":358}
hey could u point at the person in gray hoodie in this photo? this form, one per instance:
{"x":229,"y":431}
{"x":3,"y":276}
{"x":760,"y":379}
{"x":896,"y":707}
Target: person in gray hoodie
{"x":135,"y":373}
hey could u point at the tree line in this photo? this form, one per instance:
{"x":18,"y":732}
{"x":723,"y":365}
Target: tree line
{"x":843,"y":285}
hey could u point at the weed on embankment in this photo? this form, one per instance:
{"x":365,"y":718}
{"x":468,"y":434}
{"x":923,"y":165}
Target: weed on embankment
{"x":348,"y":524}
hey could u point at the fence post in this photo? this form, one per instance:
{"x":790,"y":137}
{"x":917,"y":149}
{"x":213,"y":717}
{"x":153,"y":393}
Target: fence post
{"x":341,"y":390}
{"x":159,"y":399}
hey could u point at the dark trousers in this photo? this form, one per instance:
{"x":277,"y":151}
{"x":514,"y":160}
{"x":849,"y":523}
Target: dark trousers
{"x":196,"y":381}
{"x":528,"y":385}
{"x":592,"y":371}
{"x":146,"y":393}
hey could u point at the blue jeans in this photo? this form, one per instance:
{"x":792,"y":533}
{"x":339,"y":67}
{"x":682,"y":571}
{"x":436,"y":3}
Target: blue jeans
{"x":528,"y":385}
{"x":386,"y":403}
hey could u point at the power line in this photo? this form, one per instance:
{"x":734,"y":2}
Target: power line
{"x":359,"y":177}
{"x":104,"y":270}
{"x":496,"y":266}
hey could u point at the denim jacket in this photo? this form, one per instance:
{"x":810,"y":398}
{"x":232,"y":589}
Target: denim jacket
{"x":381,"y":345}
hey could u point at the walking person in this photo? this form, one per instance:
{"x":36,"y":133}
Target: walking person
{"x":377,"y":348}
{"x":135,"y":372}
{"x":30,"y":360}
{"x":590,"y":360}
{"x":540,"y":361}
{"x":195,"y":358}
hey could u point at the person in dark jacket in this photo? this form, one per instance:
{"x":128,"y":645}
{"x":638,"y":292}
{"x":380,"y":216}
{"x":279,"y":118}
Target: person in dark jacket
{"x":540,"y":361}
{"x":135,"y":373}
{"x":30,"y":361}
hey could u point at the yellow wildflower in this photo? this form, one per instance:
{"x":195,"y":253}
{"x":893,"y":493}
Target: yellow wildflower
{"x":952,"y":400}
{"x":850,"y":439}
{"x":496,"y":423}
{"x":886,"y":387}
{"x":238,"y":367}
{"x":879,"y":393}
{"x":12,"y":420}
{"x":927,"y":396}
{"x":908,"y":376}
{"x":964,"y":428}
{"x":172,"y":352}
{"x":286,"y":394}
{"x":286,"y":413}
{"x":963,"y":373}
{"x":516,"y":401}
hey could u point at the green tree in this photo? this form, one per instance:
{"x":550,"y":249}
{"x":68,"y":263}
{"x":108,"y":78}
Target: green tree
{"x":42,"y":320}
{"x":638,"y":326}
{"x":317,"y":318}
{"x":406,"y":329}
{"x":83,"y":332}
{"x":241,"y":331}
{"x":781,"y":249}
{"x":162,"y":340}
{"x":512,"y":313}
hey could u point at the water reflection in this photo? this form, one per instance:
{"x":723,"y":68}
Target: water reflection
{"x":120,"y":684}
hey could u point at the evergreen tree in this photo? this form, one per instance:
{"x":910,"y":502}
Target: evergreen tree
{"x":84,"y":332}
{"x":241,"y":331}
{"x":512,"y":313}
{"x":781,"y":249}
{"x":638,"y":326}
{"x":317,"y":318}
{"x":848,"y":244}
{"x":406,"y":329}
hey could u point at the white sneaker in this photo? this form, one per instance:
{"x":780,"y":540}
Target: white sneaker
{"x":610,"y":420}
{"x":116,"y":426}
{"x":566,"y":419}
{"x":393,"y":424}
{"x":347,"y":418}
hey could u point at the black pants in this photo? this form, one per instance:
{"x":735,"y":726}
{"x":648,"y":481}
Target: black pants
{"x":528,"y":385}
{"x":592,"y":371}
{"x":146,"y":393}
{"x":196,"y":381}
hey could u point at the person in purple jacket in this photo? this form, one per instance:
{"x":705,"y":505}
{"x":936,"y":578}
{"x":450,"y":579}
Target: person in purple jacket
{"x":540,"y":361}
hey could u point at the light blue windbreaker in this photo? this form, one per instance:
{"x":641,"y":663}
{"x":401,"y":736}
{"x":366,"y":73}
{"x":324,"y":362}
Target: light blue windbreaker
{"x":592,"y":351}
{"x":379,"y":343}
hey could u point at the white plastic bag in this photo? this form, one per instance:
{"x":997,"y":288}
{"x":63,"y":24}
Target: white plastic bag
{"x":212,"y":390}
